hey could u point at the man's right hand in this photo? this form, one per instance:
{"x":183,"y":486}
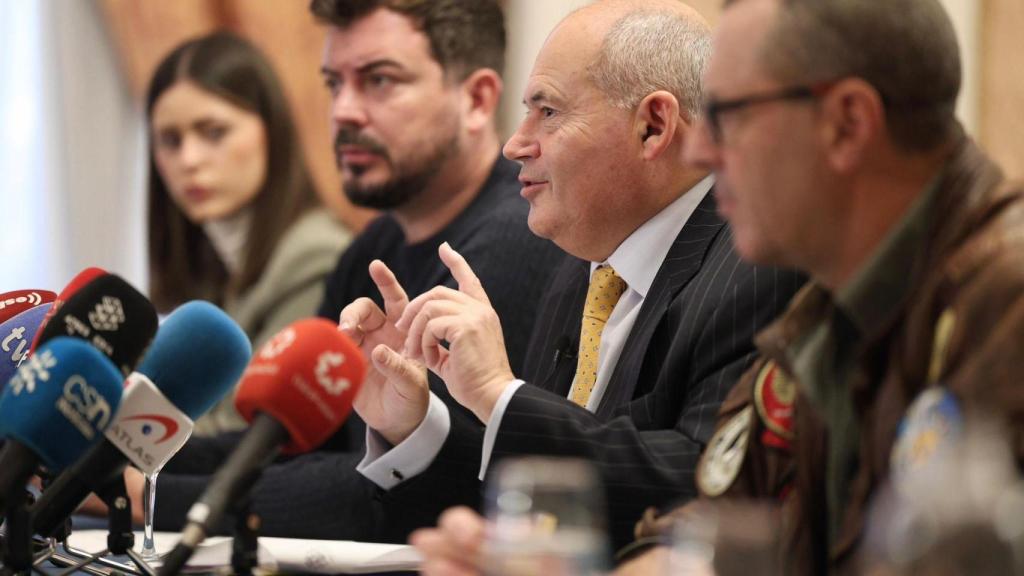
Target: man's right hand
{"x":394,"y":396}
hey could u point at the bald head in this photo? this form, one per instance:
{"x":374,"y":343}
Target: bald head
{"x":632,"y":48}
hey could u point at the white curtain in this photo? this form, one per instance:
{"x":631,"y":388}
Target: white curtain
{"x":72,"y":152}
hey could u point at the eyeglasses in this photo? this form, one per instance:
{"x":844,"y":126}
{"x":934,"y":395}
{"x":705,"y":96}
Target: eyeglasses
{"x":713,"y":109}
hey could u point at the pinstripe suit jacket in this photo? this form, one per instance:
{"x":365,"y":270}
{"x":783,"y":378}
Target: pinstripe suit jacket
{"x":690,"y":343}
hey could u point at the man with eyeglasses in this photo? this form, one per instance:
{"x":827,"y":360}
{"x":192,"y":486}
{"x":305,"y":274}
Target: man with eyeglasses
{"x":830,"y":127}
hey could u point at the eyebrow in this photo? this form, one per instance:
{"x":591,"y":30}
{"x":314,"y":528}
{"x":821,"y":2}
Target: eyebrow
{"x":537,"y":97}
{"x":368,"y":67}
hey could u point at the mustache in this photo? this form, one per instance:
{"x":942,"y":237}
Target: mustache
{"x":349,"y":136}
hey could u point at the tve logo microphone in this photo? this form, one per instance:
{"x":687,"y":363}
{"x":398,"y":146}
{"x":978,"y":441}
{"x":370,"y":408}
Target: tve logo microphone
{"x":148,"y":428}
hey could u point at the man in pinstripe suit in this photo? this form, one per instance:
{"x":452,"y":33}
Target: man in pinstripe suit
{"x":600,"y":149}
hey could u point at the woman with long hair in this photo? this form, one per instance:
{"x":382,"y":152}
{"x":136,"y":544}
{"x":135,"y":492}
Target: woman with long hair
{"x":233,"y":216}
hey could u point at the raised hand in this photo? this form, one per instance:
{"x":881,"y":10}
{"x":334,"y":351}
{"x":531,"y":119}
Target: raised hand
{"x":394,"y":396}
{"x":474,"y":365}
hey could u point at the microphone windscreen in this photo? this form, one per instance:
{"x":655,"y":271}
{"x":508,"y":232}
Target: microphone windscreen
{"x":15,"y":335}
{"x":110,"y":315}
{"x":197,"y":357}
{"x":18,"y":301}
{"x":81,"y":279}
{"x":305,"y":377}
{"x":60,"y":401}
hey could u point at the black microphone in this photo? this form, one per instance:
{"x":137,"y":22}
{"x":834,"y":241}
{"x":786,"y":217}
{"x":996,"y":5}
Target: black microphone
{"x":109,"y":314}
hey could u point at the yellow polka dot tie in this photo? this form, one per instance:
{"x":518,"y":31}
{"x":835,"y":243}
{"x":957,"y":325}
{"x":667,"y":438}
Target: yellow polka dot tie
{"x":605,"y":290}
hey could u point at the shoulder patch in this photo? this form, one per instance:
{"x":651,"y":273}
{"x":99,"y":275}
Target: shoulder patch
{"x":724,"y":455}
{"x":774,"y":396}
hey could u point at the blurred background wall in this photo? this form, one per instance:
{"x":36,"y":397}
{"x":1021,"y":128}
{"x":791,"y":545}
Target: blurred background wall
{"x":72,"y":137}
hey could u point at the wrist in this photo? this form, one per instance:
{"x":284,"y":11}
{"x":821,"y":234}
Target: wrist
{"x":488,"y":395}
{"x":395,"y":435}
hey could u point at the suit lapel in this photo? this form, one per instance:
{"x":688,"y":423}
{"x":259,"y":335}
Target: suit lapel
{"x":559,"y":326}
{"x":681,"y":264}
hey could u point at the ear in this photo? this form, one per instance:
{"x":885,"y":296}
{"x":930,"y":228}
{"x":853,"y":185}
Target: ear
{"x":481,"y":92}
{"x":657,"y":123}
{"x":854,"y":120}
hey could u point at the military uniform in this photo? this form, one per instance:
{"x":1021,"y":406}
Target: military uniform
{"x":954,"y":267}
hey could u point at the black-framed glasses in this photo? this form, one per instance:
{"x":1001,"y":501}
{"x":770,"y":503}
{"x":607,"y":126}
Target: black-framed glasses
{"x":713,"y":109}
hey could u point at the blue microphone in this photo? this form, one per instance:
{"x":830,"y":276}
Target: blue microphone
{"x":198,"y":355}
{"x":53,"y":409}
{"x":197,"y":346}
{"x":16,"y":335}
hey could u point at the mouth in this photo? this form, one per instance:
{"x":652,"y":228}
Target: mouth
{"x":531,"y":187}
{"x":350,"y":155}
{"x":197,"y":193}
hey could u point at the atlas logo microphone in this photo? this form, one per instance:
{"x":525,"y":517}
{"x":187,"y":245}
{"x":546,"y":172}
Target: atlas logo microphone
{"x":149,"y":428}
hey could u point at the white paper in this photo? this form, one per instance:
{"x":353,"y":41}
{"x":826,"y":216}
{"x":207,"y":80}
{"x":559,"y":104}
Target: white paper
{"x":283,"y":554}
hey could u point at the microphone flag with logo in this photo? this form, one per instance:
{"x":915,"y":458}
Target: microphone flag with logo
{"x":54,"y":408}
{"x":197,"y":344}
{"x":196,"y":358}
{"x":110,"y":315}
{"x":15,"y":336}
{"x":18,"y":301}
{"x":296,"y":392}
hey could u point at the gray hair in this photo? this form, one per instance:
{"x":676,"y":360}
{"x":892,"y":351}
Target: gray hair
{"x":906,"y":49}
{"x":646,"y":51}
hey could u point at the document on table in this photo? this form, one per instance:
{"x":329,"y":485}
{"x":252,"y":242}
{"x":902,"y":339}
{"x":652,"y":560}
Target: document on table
{"x":279,"y":554}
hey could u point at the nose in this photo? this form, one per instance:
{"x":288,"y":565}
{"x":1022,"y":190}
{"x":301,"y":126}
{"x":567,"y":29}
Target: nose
{"x":700,"y":148}
{"x":347,"y":107}
{"x":521,"y":146}
{"x":192,"y":152}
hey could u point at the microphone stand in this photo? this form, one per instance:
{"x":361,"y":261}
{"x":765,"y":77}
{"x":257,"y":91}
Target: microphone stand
{"x":17,"y":542}
{"x":120,"y":538}
{"x":245,"y":544}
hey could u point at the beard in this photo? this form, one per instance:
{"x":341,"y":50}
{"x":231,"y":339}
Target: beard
{"x":409,"y":176}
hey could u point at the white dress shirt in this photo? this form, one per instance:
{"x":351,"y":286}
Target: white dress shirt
{"x":637,"y":261}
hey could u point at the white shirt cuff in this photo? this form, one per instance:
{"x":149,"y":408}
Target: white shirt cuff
{"x":388,"y":466}
{"x":495,"y":422}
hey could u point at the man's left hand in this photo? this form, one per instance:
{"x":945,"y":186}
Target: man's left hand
{"x":475,"y":364}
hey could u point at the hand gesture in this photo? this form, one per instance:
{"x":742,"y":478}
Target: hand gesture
{"x":394,"y":396}
{"x":474,"y":365}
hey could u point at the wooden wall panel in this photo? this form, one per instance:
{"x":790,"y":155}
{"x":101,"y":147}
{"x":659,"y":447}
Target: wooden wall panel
{"x":1002,"y":99}
{"x":145,"y":31}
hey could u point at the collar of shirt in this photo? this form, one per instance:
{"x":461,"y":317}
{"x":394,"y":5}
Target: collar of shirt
{"x":639,"y":257}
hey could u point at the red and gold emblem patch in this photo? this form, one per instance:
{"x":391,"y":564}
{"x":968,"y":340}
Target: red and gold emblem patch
{"x":774,"y":396}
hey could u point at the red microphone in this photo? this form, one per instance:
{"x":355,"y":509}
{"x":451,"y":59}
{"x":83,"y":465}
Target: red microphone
{"x":84,"y":277}
{"x":296,"y":393}
{"x":17,"y":301}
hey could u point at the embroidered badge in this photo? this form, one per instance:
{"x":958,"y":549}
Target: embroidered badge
{"x":774,"y":396}
{"x":723,"y":457}
{"x":931,"y":427}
